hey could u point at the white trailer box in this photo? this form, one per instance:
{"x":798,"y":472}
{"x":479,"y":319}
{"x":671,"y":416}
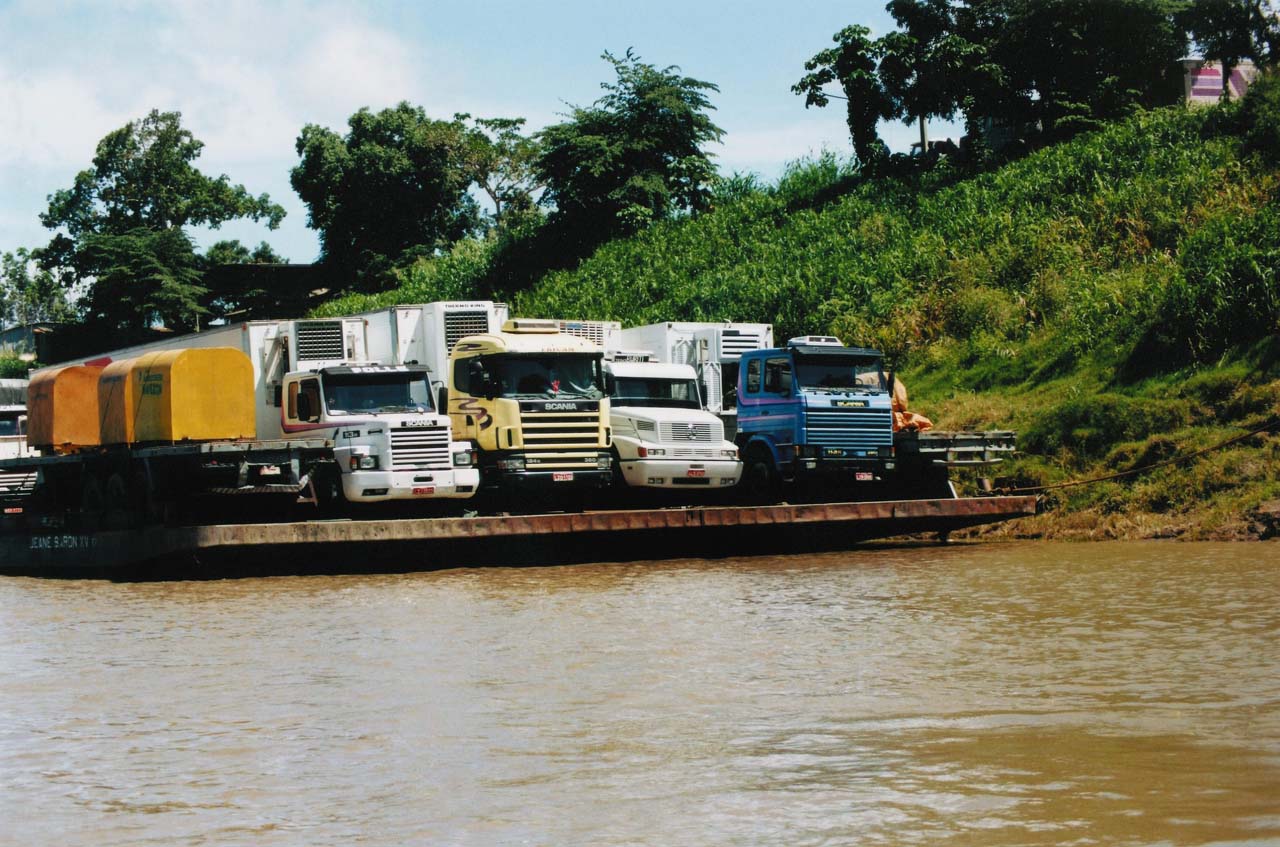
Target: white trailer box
{"x":425,"y":333}
{"x":712,"y":349}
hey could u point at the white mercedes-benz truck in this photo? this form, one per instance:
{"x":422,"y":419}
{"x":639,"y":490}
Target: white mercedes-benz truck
{"x":662,"y":435}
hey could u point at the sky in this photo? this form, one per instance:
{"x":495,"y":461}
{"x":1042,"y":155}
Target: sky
{"x":247,"y":76}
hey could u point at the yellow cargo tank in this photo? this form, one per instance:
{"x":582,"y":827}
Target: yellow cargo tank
{"x":62,"y":409}
{"x":116,"y":403}
{"x":195,"y":394}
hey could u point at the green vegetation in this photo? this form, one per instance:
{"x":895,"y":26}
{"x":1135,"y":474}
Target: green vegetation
{"x":1116,"y":299}
{"x":11,"y":367}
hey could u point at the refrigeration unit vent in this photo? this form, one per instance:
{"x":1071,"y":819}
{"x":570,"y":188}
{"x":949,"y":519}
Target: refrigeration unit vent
{"x":319,"y":341}
{"x":734,"y":343}
{"x":458,"y":325}
{"x":592,"y":331}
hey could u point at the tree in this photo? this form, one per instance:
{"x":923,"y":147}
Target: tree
{"x":502,"y":162}
{"x":232,"y":252}
{"x":1070,"y":65}
{"x":144,"y":277}
{"x":127,"y":213}
{"x":927,"y":67}
{"x":632,"y":157}
{"x":853,"y":63}
{"x":1230,"y":31}
{"x":28,"y":293}
{"x":393,"y":188}
{"x":257,"y":282}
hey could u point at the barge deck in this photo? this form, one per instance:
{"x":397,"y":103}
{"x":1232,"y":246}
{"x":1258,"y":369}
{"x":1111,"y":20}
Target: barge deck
{"x":405,"y":545}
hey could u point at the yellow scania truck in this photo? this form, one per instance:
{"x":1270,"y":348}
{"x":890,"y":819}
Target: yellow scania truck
{"x":531,"y":400}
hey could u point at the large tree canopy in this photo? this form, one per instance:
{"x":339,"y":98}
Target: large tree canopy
{"x":120,"y":226}
{"x":1033,"y":67}
{"x":634,"y":156}
{"x":395,"y":184}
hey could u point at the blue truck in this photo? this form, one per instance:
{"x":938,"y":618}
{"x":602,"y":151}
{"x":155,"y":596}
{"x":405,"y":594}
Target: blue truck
{"x":816,"y":410}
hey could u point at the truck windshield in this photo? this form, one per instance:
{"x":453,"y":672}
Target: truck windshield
{"x":547,"y":376}
{"x":370,"y":393}
{"x":649,"y":391}
{"x":840,"y":374}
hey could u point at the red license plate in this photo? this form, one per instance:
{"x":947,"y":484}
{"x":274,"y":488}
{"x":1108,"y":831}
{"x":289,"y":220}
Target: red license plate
{"x":13,"y":510}
{"x":429,"y":489}
{"x":863,"y":476}
{"x":697,"y":472}
{"x":562,"y":476}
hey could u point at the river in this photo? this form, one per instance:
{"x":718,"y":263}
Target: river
{"x":973,"y":694}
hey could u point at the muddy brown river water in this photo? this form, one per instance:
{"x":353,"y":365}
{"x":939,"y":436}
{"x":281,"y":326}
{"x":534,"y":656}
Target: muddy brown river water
{"x":993,"y":694}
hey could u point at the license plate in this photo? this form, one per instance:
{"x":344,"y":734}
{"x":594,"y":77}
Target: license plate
{"x":863,"y":476}
{"x":562,"y":476}
{"x":13,"y":510}
{"x":429,"y":489}
{"x":697,"y":472}
{"x":269,"y":470}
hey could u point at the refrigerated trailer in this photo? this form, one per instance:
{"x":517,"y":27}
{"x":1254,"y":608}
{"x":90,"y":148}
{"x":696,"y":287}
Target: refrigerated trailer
{"x":713,"y":350}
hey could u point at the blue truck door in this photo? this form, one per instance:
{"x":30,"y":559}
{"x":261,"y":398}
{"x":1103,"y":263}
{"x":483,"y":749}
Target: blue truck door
{"x":778,"y":405}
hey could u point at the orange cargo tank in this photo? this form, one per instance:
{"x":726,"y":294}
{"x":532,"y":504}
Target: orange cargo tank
{"x":62,"y":409}
{"x":116,"y":403}
{"x":195,"y":394}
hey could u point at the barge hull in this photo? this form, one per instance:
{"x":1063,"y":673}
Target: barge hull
{"x":400,"y":546}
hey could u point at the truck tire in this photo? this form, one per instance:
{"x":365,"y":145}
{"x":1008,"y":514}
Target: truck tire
{"x":760,"y":481}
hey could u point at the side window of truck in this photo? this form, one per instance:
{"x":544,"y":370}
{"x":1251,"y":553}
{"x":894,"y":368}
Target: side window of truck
{"x":777,"y":376}
{"x":304,"y":401}
{"x":462,"y":376}
{"x":753,"y":376}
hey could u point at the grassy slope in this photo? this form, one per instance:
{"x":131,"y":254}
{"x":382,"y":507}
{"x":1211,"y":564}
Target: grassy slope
{"x":1114,"y":299}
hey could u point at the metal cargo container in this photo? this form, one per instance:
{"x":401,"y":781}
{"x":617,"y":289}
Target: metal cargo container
{"x":62,"y":409}
{"x":198,"y":394}
{"x":116,"y":404}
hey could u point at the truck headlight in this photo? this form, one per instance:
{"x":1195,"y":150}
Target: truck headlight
{"x":364,"y":463}
{"x":463,"y":459}
{"x":515,"y":463}
{"x":604,"y":462}
{"x":646,"y":452}
{"x":729,"y":454}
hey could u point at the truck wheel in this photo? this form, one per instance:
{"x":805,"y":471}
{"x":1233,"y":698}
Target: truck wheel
{"x":759,"y":479}
{"x":330,"y":500}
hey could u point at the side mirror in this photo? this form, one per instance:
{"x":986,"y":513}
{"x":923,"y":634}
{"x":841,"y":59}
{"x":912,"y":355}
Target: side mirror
{"x":304,"y":407}
{"x":609,"y":384}
{"x":442,"y":399}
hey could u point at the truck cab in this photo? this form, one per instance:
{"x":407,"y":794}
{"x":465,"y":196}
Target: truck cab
{"x":389,"y":441}
{"x":531,"y":399}
{"x":662,"y":435}
{"x":814,"y":406}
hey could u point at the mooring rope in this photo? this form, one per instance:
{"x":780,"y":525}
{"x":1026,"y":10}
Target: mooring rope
{"x":1268,"y":427}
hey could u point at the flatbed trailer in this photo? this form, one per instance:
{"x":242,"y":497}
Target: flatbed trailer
{"x":422,"y":544}
{"x":120,"y":487}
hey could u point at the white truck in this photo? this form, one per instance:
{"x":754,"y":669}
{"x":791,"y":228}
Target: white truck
{"x":711,"y":349}
{"x":662,"y":436}
{"x":14,"y":484}
{"x":315,"y":379}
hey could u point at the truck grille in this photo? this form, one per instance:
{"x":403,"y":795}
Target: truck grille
{"x":319,"y":341}
{"x":681,"y":431}
{"x":857,"y":429}
{"x":16,"y":483}
{"x":420,"y":448}
{"x":458,"y":325}
{"x":561,"y":439}
{"x":693,"y":452}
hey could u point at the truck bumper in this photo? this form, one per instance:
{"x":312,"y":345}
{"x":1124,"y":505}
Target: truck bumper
{"x":379,"y":486}
{"x":548,"y":481}
{"x":680,"y":473}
